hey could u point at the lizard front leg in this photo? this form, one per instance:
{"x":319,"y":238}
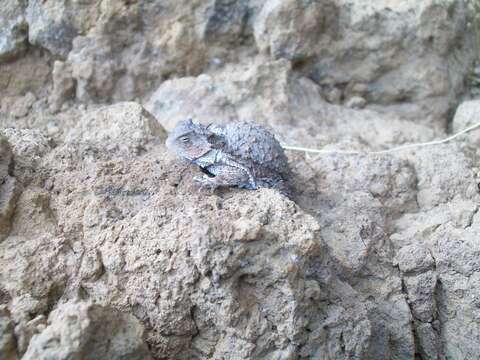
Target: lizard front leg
{"x":225,"y":175}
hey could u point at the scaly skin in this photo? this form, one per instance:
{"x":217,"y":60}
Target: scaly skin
{"x":237,"y":154}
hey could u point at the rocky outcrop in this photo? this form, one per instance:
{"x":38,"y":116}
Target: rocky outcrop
{"x":355,"y":269}
{"x":109,"y":249}
{"x":380,"y":51}
{"x":404,"y":58}
{"x":228,"y":278}
{"x":273,"y":94}
{"x":437,"y":251}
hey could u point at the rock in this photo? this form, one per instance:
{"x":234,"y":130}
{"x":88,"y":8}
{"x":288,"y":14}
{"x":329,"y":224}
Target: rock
{"x":352,"y":199}
{"x":26,"y":329}
{"x":94,"y":79}
{"x":23,"y":308}
{"x":196,"y":98}
{"x":451,"y":177}
{"x":30,"y":73}
{"x":414,"y":258}
{"x":333,"y":95}
{"x":63,"y":85}
{"x":421,"y":291}
{"x":120,"y":61}
{"x":270,"y":93}
{"x":226,"y":22}
{"x":428,"y":342}
{"x":28,"y":147}
{"x":13,"y":33}
{"x":466,"y":115}
{"x":356,"y":102}
{"x":376,"y":257}
{"x":125,"y":125}
{"x":291,"y":29}
{"x":114,"y":232}
{"x":87,"y":331}
{"x":34,"y":261}
{"x":8,"y":188}
{"x":397,"y":69}
{"x":6,"y":158}
{"x":50,"y":27}
{"x":22,"y":105}
{"x":18,"y":327}
{"x":437,"y":253}
{"x":350,"y":43}
{"x":456,"y":261}
{"x":8,"y":347}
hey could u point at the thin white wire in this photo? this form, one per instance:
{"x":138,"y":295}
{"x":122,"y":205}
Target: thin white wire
{"x":398,"y":148}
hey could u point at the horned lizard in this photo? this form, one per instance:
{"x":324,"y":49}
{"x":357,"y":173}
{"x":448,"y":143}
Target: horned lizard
{"x":245,"y":155}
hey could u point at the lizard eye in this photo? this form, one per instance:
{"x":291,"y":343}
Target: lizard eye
{"x":185,"y":139}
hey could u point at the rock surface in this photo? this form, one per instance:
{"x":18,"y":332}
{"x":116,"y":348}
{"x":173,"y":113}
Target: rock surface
{"x":109,"y":249}
{"x":85,"y":331}
{"x":13,"y":26}
{"x":8,"y":347}
{"x":8,"y":188}
{"x":124,"y":126}
{"x":124,"y":231}
{"x":400,"y":57}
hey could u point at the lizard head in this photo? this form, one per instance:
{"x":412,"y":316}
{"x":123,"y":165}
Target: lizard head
{"x":189,"y":140}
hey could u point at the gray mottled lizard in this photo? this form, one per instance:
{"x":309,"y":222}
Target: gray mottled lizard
{"x":236,"y":154}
